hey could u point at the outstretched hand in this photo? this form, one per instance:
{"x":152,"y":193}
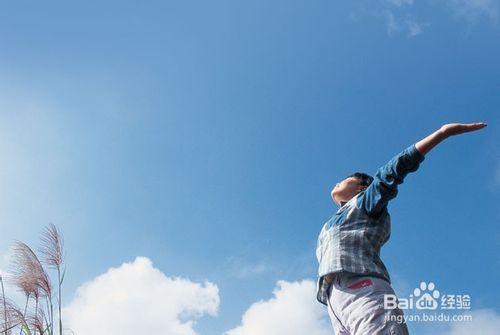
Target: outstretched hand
{"x":460,"y":128}
{"x":429,"y":142}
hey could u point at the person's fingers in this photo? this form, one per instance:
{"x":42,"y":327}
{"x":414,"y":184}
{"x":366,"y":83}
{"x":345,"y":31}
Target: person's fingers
{"x":467,"y":127}
{"x":475,"y":126}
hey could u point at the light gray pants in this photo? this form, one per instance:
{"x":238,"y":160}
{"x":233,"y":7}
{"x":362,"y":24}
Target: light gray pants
{"x":356,"y":307}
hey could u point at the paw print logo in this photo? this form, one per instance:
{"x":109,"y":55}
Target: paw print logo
{"x":427,"y":296}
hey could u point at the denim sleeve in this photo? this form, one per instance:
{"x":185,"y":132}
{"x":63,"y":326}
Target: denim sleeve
{"x":385,"y":183}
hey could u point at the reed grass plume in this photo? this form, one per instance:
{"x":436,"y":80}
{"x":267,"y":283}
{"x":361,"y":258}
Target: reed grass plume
{"x":28,"y":274}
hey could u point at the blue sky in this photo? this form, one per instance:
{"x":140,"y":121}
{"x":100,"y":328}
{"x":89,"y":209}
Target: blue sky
{"x":206,"y":136}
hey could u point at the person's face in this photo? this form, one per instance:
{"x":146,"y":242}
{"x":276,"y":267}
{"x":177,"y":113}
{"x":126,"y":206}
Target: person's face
{"x":346,"y":189}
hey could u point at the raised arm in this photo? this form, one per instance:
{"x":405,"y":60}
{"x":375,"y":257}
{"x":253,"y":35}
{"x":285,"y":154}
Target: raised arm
{"x":385,"y":183}
{"x":425,"y":145}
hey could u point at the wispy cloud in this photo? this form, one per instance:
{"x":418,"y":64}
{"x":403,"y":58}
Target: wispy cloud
{"x":415,"y":28}
{"x":410,"y":27}
{"x":242,"y":268}
{"x":391,"y":23}
{"x":472,"y":10}
{"x":250,"y":269}
{"x":400,"y":14}
{"x":400,"y":3}
{"x":400,"y":19}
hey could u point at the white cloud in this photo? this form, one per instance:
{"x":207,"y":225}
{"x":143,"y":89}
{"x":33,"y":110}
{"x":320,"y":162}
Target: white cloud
{"x":471,"y":10}
{"x":292,"y":311}
{"x":137,"y":298}
{"x":484,"y":322}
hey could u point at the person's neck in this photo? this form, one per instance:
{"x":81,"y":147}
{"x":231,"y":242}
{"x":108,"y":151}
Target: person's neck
{"x":342,"y":203}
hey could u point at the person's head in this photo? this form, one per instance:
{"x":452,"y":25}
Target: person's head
{"x":350,"y":186}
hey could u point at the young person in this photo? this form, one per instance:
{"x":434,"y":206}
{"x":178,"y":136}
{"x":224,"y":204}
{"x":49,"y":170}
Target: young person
{"x":352,"y":278}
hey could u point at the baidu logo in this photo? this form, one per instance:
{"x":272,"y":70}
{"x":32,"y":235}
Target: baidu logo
{"x":427,"y":297}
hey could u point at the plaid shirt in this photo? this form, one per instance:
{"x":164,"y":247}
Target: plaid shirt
{"x":351,"y":239}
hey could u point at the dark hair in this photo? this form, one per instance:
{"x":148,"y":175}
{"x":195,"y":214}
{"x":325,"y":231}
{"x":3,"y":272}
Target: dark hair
{"x":366,"y":179}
